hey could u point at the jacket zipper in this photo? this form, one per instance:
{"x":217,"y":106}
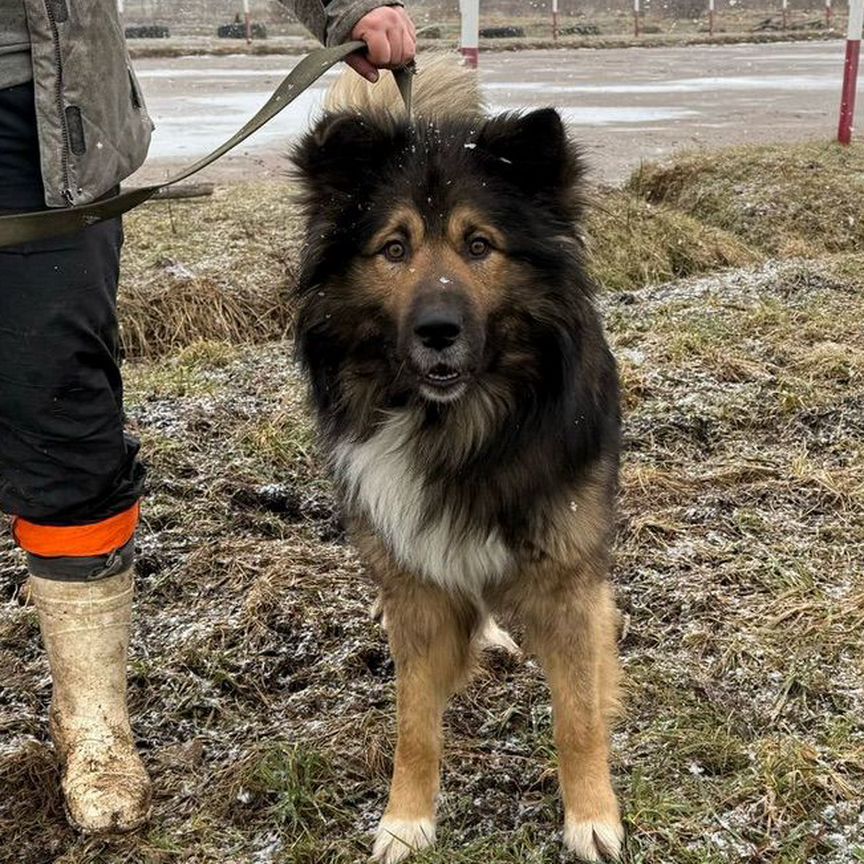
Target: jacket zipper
{"x":58,"y":68}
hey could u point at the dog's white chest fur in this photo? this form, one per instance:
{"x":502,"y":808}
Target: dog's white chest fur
{"x":384,"y":477}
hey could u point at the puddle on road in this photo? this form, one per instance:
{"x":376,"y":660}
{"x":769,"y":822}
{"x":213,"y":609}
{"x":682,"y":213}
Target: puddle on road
{"x":208,"y":120}
{"x":208,"y":74}
{"x":681,"y":85}
{"x":603,"y":115}
{"x":825,"y":57}
{"x":189,"y":125}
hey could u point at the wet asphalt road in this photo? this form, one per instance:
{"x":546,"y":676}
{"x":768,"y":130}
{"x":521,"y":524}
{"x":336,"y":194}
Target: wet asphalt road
{"x":624,"y":105}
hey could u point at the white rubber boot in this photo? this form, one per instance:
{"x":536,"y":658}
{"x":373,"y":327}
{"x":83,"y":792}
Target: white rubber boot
{"x":85,"y":628}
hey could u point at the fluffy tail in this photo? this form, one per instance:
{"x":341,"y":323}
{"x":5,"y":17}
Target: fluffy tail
{"x":443,"y":87}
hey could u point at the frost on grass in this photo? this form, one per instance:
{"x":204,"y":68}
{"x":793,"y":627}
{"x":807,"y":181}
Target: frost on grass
{"x":263,"y":693}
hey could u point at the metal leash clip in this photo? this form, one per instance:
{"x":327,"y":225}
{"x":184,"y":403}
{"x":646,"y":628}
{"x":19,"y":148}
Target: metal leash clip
{"x":404,"y":76}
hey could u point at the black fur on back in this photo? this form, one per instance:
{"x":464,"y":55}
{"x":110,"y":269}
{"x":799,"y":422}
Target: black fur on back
{"x":546,"y":409}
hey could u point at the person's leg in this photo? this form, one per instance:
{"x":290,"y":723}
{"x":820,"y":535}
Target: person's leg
{"x":70,"y":479}
{"x":85,"y":628}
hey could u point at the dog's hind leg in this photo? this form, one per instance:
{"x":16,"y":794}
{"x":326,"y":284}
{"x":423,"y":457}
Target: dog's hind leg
{"x":573,"y":630}
{"x":430,"y":634}
{"x":492,"y":636}
{"x":489,"y":636}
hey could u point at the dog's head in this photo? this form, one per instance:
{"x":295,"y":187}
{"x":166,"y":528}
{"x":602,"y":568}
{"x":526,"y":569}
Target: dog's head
{"x":441,"y":258}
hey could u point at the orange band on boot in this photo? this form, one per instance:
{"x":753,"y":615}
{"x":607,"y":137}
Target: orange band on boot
{"x":77,"y":541}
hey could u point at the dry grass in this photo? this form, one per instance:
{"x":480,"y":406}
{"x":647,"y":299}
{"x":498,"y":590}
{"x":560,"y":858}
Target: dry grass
{"x":263,"y":693}
{"x":634,"y":243}
{"x":800,"y":200}
{"x":213,"y":268}
{"x":606,"y":29}
{"x":217,"y":269}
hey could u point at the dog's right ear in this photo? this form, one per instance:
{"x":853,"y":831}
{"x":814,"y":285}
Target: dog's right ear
{"x":342,"y":151}
{"x":531,"y":150}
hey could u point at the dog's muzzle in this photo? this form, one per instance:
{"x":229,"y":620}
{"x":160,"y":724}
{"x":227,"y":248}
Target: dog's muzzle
{"x":442,"y":343}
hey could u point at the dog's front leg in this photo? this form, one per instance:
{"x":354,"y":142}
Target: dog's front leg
{"x":573,"y":630}
{"x":430,"y":637}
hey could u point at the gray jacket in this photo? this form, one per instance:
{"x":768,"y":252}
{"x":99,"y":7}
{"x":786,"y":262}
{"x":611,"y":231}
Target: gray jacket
{"x":94,"y":129}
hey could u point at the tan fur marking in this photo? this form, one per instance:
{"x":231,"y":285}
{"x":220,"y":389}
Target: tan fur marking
{"x":430,"y":633}
{"x":405,"y":223}
{"x":567,"y":605}
{"x":581,"y":524}
{"x":441,"y":261}
{"x":465,"y":221}
{"x":574,"y":635}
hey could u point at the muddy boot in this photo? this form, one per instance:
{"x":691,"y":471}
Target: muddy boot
{"x":85,"y":627}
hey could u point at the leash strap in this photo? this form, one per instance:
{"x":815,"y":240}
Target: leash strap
{"x":26,"y":227}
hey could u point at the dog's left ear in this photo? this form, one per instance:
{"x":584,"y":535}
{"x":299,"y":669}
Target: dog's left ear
{"x":341,"y":151}
{"x":531,"y":149}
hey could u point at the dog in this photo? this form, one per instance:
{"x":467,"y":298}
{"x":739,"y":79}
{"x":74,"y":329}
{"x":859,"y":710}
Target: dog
{"x":468,"y":405}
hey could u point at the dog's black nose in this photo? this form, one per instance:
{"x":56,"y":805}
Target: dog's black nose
{"x":438,"y":328}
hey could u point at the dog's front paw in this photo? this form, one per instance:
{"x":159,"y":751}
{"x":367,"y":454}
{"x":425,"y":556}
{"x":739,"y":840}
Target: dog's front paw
{"x":594,"y":839}
{"x":396,"y":839}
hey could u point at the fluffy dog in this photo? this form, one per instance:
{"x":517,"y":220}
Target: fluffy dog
{"x":468,"y":403}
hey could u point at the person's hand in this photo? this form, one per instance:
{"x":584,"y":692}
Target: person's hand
{"x":390,"y":38}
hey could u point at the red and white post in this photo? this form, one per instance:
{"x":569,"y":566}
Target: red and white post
{"x":247,"y":21}
{"x":710,"y":17}
{"x":829,"y":15}
{"x":555,"y":20}
{"x":850,"y":71}
{"x":470,"y":41}
{"x":635,"y":17}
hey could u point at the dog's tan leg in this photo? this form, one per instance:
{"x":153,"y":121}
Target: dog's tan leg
{"x":430,"y":638}
{"x":573,"y":630}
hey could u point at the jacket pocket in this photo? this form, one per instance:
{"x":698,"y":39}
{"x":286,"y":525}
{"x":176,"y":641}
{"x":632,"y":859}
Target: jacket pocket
{"x":135,"y":93}
{"x":74,"y":124}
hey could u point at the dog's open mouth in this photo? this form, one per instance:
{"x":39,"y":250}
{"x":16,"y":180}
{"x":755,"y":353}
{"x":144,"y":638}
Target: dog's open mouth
{"x":442,"y":383}
{"x":442,"y":376}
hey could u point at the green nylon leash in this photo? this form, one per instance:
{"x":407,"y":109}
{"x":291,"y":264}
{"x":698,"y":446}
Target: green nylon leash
{"x":26,"y":227}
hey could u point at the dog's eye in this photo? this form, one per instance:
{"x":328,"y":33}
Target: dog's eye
{"x":479,"y":247}
{"x":395,"y":250}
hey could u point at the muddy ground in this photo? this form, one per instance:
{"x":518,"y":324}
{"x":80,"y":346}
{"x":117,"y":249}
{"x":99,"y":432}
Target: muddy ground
{"x":262,"y":692}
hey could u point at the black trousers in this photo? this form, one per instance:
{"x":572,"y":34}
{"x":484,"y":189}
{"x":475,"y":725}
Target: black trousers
{"x":64,"y":457}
